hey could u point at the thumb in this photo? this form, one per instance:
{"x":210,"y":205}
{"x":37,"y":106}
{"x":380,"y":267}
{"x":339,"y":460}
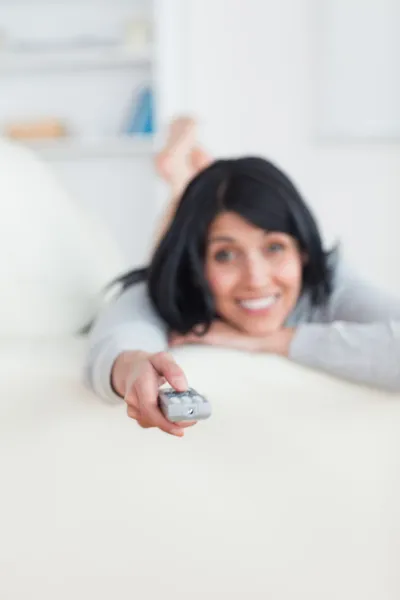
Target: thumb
{"x":166,"y":367}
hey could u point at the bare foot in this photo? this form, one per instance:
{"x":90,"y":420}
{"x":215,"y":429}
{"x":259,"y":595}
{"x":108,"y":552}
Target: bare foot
{"x":174,"y":163}
{"x":200,"y":159}
{"x":180,"y":161}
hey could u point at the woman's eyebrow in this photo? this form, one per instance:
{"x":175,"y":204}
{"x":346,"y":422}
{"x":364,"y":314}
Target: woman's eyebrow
{"x":227,"y":238}
{"x":220,"y":238}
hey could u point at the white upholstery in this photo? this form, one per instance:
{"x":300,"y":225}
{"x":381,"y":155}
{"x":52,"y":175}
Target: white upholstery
{"x":290,"y":491}
{"x":54,"y":258}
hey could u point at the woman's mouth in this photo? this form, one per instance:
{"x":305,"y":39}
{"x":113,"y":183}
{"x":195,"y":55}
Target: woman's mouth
{"x":257,"y":305}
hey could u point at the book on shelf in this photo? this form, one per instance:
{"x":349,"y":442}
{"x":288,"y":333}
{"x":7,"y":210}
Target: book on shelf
{"x":141,"y":122}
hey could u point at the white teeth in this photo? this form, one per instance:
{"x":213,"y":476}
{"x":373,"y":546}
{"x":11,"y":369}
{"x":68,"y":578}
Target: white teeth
{"x":259,"y":303}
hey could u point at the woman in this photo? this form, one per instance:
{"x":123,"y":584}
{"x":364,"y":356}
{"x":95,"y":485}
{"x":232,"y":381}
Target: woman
{"x":240,"y":264}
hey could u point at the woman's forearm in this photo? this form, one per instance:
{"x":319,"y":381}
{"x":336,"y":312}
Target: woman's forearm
{"x":123,"y":366}
{"x":278,"y":342}
{"x":127,"y":324}
{"x":367,"y":353}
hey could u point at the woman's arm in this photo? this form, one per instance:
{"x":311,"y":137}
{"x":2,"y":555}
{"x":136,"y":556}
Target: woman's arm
{"x":367,"y":353}
{"x":357,"y":300}
{"x":122,"y":369}
{"x":128,"y":325}
{"x":362,"y":341}
{"x":126,"y":360}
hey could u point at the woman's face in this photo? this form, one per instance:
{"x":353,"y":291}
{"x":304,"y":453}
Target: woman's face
{"x":254,"y":276}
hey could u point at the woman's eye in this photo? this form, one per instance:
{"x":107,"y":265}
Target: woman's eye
{"x":274,"y":248}
{"x":224,"y":256}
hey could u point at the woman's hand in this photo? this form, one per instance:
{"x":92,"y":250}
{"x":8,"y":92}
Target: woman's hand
{"x":222,"y":334}
{"x":137,"y":376}
{"x":219,"y":334}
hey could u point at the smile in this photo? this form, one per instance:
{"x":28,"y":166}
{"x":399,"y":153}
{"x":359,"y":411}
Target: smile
{"x":258,"y":304}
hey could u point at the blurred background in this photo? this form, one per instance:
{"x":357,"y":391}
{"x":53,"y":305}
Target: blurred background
{"x":313,"y":85}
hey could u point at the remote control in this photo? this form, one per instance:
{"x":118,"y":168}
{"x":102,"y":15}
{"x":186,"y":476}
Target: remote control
{"x":183,"y":406}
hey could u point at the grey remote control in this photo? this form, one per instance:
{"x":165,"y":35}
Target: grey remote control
{"x":183,"y":406}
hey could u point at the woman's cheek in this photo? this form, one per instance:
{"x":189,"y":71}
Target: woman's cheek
{"x":220,"y":281}
{"x":290,"y":270}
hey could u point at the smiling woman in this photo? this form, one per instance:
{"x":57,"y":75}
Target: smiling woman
{"x":240,"y":264}
{"x":255,"y":277}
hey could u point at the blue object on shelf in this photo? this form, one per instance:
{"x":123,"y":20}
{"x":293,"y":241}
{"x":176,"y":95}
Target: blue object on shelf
{"x":143,"y":118}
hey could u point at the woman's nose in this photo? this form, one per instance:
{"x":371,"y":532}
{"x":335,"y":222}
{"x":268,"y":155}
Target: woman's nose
{"x":257,"y":273}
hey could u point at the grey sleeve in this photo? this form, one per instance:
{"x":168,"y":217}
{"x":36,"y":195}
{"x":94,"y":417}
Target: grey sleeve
{"x":361,"y":340}
{"x":128,"y":323}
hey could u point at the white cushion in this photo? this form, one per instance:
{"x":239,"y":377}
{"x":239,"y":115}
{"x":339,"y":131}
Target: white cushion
{"x":55,"y":259}
{"x":290,"y":491}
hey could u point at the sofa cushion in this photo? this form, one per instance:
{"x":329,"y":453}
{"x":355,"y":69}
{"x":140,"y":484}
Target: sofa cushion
{"x":55,"y":257}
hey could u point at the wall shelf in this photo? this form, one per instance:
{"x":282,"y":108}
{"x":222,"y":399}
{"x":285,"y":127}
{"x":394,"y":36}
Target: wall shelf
{"x":107,"y":147}
{"x":92,"y":58}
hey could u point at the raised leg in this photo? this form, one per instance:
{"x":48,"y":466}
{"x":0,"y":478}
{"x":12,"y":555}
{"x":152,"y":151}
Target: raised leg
{"x":180,"y":160}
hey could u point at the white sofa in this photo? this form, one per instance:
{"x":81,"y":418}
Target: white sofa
{"x":290,"y":491}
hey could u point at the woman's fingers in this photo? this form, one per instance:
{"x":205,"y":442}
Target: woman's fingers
{"x":190,"y":338}
{"x":146,"y":388}
{"x":133,"y":413}
{"x":142,"y":397}
{"x":178,"y":427}
{"x":166,"y":367}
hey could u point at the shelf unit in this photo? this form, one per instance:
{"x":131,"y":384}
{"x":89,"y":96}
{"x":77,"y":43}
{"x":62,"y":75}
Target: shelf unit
{"x":79,"y":64}
{"x":92,"y":90}
{"x":77,"y":149}
{"x":12,"y":63}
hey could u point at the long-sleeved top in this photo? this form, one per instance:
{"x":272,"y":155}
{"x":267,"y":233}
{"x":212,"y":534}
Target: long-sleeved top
{"x":355,"y":335}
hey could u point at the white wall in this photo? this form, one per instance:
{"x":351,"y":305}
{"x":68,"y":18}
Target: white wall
{"x":247,"y":69}
{"x":252,"y":79}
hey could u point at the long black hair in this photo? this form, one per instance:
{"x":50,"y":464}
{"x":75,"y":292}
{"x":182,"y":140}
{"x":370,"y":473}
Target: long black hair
{"x":260,"y":193}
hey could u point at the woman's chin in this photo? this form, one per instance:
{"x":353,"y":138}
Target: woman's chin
{"x":261,"y":329}
{"x":260,"y":323}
